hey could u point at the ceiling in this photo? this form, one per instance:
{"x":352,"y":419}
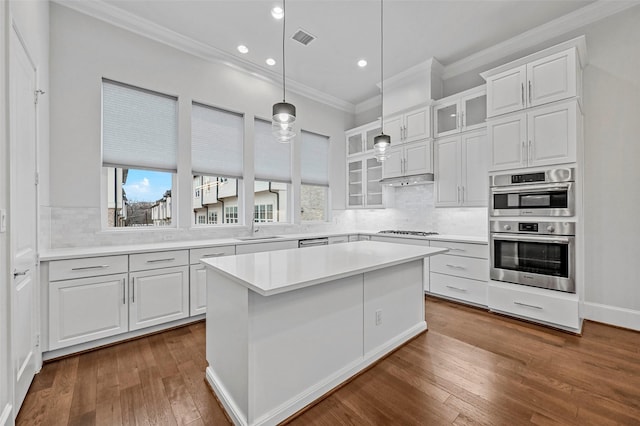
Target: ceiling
{"x":346,"y":31}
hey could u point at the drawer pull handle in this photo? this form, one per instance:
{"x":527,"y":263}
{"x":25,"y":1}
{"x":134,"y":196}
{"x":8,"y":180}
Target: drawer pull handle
{"x":464,"y":290}
{"x":124,"y":291}
{"x":528,"y":306}
{"x":86,"y":268}
{"x":168,"y":259}
{"x":454,"y":249}
{"x":17,"y":273}
{"x":133,"y":289}
{"x":213,"y":255}
{"x":455,"y":266}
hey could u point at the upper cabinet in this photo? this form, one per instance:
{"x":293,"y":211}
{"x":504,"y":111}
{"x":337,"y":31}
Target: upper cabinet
{"x":541,"y":81}
{"x":460,"y":113}
{"x":407,"y":160}
{"x":360,"y":139}
{"x":413,"y":125}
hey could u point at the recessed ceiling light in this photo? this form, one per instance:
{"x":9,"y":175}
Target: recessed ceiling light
{"x":362,"y":63}
{"x":270,"y":61}
{"x":277,"y":12}
{"x":243,"y":49}
{"x":452,"y":115}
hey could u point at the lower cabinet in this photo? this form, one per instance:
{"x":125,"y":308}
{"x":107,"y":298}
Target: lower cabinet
{"x":198,"y":275}
{"x":85,"y":309}
{"x":158,"y":296}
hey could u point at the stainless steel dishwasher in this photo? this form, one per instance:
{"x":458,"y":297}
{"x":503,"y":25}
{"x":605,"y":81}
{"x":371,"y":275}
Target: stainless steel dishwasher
{"x":311,"y":242}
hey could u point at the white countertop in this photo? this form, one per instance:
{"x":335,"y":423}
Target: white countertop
{"x":274,"y":272}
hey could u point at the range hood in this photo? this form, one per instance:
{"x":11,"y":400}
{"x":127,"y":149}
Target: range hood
{"x":408,"y":180}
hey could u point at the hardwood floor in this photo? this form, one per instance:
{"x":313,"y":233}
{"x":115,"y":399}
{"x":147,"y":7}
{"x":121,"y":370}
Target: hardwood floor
{"x":471,"y":367}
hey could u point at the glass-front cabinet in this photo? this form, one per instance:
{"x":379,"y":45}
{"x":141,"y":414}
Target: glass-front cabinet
{"x":461,"y":112}
{"x":363,"y":170}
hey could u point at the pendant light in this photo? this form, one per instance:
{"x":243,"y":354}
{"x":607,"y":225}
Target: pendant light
{"x":284,"y":113}
{"x":382,"y":141}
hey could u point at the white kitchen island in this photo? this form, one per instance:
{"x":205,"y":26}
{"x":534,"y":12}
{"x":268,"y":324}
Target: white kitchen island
{"x":285,"y":327}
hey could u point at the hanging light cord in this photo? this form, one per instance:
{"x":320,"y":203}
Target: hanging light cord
{"x":284,"y":24}
{"x":381,"y":70}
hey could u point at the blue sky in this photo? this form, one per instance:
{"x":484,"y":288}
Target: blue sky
{"x":146,"y":185}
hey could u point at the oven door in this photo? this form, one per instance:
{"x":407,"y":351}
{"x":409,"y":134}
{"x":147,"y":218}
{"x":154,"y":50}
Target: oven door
{"x":539,"y":261}
{"x":555,"y":199}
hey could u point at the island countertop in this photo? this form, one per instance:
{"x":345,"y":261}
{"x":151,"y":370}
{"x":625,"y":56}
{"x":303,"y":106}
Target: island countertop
{"x":274,"y":272}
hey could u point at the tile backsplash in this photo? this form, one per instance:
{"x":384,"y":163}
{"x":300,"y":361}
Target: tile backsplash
{"x":408,"y":208}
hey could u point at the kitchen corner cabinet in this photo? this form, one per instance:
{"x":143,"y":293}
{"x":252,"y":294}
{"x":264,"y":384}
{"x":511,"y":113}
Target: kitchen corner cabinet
{"x":539,"y":137}
{"x":410,"y":159}
{"x":411,"y":126}
{"x":462,"y":112}
{"x":461,"y":170}
{"x":198,"y":276}
{"x":541,"y":81}
{"x":363,"y":183}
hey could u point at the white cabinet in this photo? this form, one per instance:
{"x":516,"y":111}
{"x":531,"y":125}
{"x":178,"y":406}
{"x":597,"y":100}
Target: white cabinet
{"x":409,"y":159}
{"x":462,"y":273}
{"x":339,"y":239}
{"x":85,"y":309}
{"x":360,"y":139}
{"x":363,"y":183}
{"x":541,"y":81}
{"x":198,"y":276}
{"x":462,"y":163}
{"x":266,"y":246}
{"x":411,"y":126}
{"x":158,"y":296}
{"x":539,"y":137}
{"x":460,"y":113}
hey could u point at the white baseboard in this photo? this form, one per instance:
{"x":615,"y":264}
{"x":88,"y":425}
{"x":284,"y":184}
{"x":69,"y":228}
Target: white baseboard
{"x":6,"y":415}
{"x":298,"y":402}
{"x":621,"y":317}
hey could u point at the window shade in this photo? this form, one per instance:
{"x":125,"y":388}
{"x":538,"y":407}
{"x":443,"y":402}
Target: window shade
{"x":314,"y":159}
{"x":216,"y":142}
{"x":139,"y":128}
{"x":272,"y":158}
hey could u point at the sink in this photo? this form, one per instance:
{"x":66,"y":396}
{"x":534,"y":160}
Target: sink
{"x":266,"y":237}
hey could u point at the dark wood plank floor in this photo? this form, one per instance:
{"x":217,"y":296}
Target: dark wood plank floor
{"x":471,"y":367}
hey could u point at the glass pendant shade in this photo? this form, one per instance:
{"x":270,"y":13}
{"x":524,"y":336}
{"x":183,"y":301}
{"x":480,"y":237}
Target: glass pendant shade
{"x":380,"y":145}
{"x":282,"y":125}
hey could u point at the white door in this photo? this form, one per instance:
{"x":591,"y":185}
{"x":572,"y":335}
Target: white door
{"x":552,"y":78}
{"x":417,"y":158}
{"x":198,"y":290}
{"x":475,"y":165}
{"x":447,"y":183}
{"x":23,"y":220}
{"x":552,"y":134}
{"x":393,"y":127}
{"x":392,"y":166}
{"x":506,"y":91}
{"x":507,"y":144}
{"x":417,"y":125}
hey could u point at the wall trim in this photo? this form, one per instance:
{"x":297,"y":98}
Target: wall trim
{"x":6,"y":415}
{"x":120,"y":18}
{"x":612,"y":315}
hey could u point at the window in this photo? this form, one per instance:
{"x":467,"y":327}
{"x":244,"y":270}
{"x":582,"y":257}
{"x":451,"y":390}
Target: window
{"x":139,"y":155}
{"x":231,"y":214}
{"x":272,"y":184}
{"x":263,"y":213}
{"x":314,"y":177}
{"x":217,"y":138}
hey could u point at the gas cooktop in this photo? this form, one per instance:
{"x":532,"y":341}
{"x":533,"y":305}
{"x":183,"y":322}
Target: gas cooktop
{"x":414,"y":233}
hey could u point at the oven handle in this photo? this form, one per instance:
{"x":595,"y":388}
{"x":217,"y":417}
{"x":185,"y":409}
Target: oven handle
{"x":534,"y":238}
{"x":535,"y":188}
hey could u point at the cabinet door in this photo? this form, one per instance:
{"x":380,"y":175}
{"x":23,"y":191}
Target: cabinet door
{"x":446,"y":119}
{"x":393,"y":127}
{"x":369,"y":137}
{"x":158,"y":296}
{"x":354,"y":143}
{"x":417,"y":125}
{"x":417,"y":158}
{"x":507,"y":142}
{"x":506,"y":91}
{"x":197,"y":290}
{"x":552,"y":78}
{"x":374,"y":189}
{"x":552,"y":135}
{"x":87,"y":309}
{"x":393,"y":165}
{"x":475,"y":165}
{"x":474,"y":111}
{"x":355,"y":196}
{"x":447,"y":172}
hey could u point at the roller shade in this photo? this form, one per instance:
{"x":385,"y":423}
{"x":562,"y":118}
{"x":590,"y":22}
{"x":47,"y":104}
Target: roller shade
{"x":139,"y":128}
{"x":216,"y":142}
{"x":314,"y":159}
{"x":272,"y":158}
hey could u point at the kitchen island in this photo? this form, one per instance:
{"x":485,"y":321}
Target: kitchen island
{"x":285,"y":327}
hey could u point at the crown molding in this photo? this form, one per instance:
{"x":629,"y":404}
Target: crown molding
{"x":138,"y":25}
{"x":368,"y":104}
{"x":534,"y":37}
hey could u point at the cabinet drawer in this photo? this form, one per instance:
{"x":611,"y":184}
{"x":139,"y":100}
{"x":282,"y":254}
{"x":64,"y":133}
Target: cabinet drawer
{"x":158,"y":259}
{"x":463,"y":249}
{"x":548,"y":306}
{"x":472,"y":291}
{"x":260,"y":247}
{"x":87,"y":267}
{"x":202,"y":253}
{"x":460,"y":266}
{"x":338,"y":240}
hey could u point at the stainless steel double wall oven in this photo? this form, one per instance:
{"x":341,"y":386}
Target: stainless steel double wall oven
{"x":539,"y":252}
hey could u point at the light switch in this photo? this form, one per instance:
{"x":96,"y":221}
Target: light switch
{"x":3,"y":220}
